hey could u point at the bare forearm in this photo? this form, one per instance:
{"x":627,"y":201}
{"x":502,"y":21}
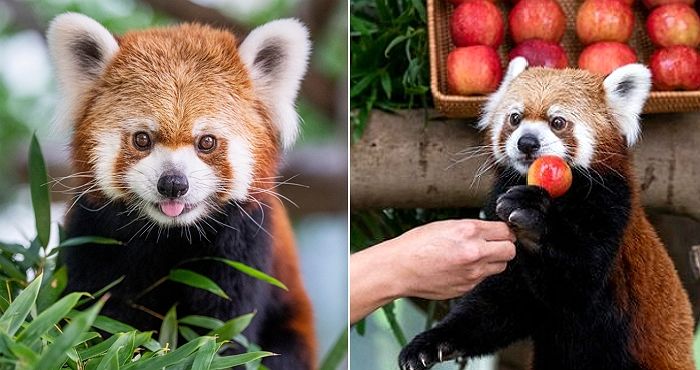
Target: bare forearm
{"x":373,"y":284}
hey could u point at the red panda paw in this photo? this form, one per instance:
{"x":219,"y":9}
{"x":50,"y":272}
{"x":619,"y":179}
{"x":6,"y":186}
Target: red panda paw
{"x":425,"y":350}
{"x":524,"y":208}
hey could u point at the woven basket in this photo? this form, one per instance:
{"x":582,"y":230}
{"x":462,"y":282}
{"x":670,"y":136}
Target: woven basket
{"x":439,"y":12}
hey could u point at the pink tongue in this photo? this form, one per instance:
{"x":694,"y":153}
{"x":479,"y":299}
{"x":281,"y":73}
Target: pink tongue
{"x":172,"y":208}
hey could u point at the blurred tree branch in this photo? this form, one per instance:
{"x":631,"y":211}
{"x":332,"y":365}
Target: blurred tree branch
{"x":191,"y":12}
{"x":316,"y":87}
{"x":23,"y":16}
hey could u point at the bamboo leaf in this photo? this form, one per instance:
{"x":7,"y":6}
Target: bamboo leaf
{"x":167,"y":336}
{"x":118,"y":352}
{"x":205,"y":355}
{"x":242,"y":267}
{"x":337,"y":353}
{"x":18,"y":310}
{"x":236,"y":360}
{"x":19,"y":249}
{"x":55,"y":354}
{"x":38,"y":184}
{"x":202,"y":322}
{"x":394,"y":323}
{"x":196,"y":280}
{"x":187,"y":333}
{"x":10,"y":269}
{"x":51,"y":290}
{"x":47,"y":319}
{"x":82,"y":240}
{"x":233,"y":327}
{"x":171,"y":358}
{"x":111,"y":325}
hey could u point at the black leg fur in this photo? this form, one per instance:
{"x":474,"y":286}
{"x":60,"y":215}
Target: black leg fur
{"x":557,"y":285}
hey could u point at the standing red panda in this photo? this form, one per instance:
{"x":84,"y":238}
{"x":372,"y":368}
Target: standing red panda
{"x":177,"y":132}
{"x":591,"y":284}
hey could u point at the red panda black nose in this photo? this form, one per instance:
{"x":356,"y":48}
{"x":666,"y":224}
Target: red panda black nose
{"x":528,"y":144}
{"x":172,"y":184}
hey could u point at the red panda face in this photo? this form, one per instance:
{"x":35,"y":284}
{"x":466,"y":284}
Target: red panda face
{"x":177,"y":122}
{"x":567,"y":113}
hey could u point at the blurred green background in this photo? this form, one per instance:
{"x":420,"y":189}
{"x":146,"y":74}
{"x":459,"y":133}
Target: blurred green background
{"x":319,"y":160}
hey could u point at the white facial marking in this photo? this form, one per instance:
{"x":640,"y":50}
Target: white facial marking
{"x":239,"y":154}
{"x":241,"y":159}
{"x":105,"y":158}
{"x":499,"y":120}
{"x":550,"y":144}
{"x":143,"y":179}
{"x":585,"y":138}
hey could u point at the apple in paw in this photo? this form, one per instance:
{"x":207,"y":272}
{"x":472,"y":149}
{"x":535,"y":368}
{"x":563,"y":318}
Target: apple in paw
{"x":604,"y":20}
{"x":539,"y":53}
{"x":551,"y":173}
{"x":604,"y":57}
{"x":674,"y":24}
{"x":537,"y":19}
{"x":477,"y":22}
{"x":473,"y":70}
{"x":675,"y":68}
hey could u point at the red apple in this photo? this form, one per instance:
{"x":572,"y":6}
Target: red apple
{"x":541,"y":53}
{"x":537,"y":19}
{"x":473,"y":70}
{"x":674,"y":24}
{"x":477,"y":22}
{"x":675,"y":68}
{"x":604,"y":20}
{"x":654,"y":3}
{"x":604,"y":57}
{"x":552,"y":173}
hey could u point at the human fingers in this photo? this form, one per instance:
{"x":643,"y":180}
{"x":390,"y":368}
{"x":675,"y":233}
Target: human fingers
{"x":495,"y":230}
{"x":494,"y":268}
{"x":498,"y":251}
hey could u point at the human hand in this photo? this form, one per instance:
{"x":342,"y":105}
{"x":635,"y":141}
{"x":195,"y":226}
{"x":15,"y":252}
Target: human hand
{"x":440,"y":260}
{"x":446,"y":259}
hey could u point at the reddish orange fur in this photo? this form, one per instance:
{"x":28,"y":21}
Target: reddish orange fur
{"x":286,"y":268}
{"x":184,"y":73}
{"x":644,"y":276}
{"x":179,"y":80}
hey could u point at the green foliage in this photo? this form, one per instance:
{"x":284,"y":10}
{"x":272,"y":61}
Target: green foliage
{"x":388,"y":57}
{"x":337,"y":353}
{"x":696,"y":347}
{"x":368,"y":228}
{"x":39,"y":329}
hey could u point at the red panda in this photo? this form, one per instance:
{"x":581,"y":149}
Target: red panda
{"x":592,"y":284}
{"x":177,"y":133}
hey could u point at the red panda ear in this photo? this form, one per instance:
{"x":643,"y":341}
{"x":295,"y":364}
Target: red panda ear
{"x":80,"y":48}
{"x":515,"y":68}
{"x":626,"y":90}
{"x":276,"y":55}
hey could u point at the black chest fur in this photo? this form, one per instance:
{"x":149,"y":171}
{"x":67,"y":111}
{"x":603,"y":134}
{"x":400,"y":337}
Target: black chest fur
{"x":560,"y":294}
{"x":149,"y":254}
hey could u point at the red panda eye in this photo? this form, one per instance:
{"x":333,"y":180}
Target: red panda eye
{"x":515,"y":119}
{"x":206,"y":143}
{"x":558,"y":123}
{"x":142,"y":141}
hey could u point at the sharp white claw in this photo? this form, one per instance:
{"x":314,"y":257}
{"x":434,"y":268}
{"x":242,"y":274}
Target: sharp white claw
{"x":440,"y":354}
{"x":422,"y":359}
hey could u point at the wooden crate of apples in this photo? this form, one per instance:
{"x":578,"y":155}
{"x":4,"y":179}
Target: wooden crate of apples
{"x":471,"y":41}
